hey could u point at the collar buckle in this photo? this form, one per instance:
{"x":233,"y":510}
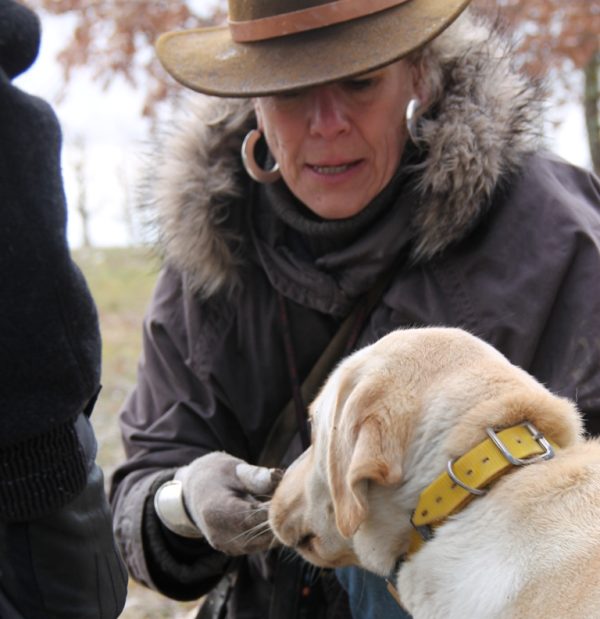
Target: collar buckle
{"x":536,"y":435}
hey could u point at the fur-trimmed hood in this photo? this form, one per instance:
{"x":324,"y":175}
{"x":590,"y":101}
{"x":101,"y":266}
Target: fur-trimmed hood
{"x":485,"y":118}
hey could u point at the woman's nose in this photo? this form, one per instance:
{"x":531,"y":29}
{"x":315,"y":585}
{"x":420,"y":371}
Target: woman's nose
{"x":328,"y":114}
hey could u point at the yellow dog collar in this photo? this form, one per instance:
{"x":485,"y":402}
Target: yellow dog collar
{"x":467,"y":476}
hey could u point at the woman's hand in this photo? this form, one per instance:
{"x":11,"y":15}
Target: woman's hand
{"x":228,"y":501}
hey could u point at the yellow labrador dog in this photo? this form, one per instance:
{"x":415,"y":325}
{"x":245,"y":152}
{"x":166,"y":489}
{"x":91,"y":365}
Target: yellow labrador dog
{"x":419,"y":452}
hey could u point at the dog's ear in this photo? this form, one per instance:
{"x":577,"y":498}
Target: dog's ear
{"x":363,"y":449}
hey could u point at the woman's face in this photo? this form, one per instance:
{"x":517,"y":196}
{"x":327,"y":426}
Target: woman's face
{"x":338,"y":145}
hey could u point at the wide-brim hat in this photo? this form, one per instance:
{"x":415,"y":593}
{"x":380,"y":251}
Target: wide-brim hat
{"x":273,"y":46}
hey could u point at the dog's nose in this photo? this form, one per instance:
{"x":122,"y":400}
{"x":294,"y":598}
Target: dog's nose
{"x":306,"y":542}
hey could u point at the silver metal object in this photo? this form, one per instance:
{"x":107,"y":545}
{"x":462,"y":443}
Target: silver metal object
{"x":536,"y":435}
{"x":254,"y":171}
{"x":411,"y":119}
{"x":460,"y":483}
{"x":170,"y":509}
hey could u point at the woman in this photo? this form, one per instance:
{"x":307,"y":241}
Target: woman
{"x":399,"y":164}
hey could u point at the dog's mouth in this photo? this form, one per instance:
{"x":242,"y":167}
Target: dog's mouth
{"x":310,"y":547}
{"x":306,"y":543}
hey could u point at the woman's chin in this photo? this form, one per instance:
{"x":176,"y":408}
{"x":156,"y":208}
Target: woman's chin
{"x":334,"y":205}
{"x":334,"y":196}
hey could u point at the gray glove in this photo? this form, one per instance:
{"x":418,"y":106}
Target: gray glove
{"x":227,"y":499}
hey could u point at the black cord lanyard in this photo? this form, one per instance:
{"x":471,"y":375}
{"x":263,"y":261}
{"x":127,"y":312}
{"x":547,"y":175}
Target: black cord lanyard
{"x":360,"y":315}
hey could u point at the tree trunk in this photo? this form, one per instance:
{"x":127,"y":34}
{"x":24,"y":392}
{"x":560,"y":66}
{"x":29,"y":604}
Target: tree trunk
{"x":592,"y":108}
{"x":82,"y":204}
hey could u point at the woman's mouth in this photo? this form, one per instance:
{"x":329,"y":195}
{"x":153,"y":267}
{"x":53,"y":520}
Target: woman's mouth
{"x":334,"y":169}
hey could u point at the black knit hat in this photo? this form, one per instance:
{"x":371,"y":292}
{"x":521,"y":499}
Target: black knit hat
{"x":19,"y":37}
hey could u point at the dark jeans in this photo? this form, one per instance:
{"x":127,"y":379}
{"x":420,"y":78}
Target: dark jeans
{"x":368,"y":594}
{"x":65,"y":565}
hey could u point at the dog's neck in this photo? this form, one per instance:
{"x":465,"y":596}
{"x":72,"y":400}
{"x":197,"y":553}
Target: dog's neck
{"x":444,"y":431}
{"x":470,"y":475}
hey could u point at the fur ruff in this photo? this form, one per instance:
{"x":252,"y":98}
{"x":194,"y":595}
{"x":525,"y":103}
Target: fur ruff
{"x":484,"y":119}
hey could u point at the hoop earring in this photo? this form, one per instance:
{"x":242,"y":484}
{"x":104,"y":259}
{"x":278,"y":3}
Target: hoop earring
{"x":254,"y":171}
{"x":411,"y":119}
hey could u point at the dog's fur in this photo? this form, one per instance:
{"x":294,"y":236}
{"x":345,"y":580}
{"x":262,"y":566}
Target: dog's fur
{"x":384,"y":426}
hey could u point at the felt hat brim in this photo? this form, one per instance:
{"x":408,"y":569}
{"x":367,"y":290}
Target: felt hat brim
{"x":208,"y":60}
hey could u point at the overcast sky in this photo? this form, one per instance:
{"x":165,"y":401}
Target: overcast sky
{"x":110,"y":125}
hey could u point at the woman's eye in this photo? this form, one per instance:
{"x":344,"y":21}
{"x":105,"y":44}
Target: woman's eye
{"x":360,"y":84}
{"x":290,"y":94}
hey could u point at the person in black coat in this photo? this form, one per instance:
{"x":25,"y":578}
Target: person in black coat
{"x":58,"y":559}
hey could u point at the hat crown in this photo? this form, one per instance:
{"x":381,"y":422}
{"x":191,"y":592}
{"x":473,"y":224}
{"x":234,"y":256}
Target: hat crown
{"x":274,"y":46}
{"x":313,"y":14}
{"x":248,"y":10}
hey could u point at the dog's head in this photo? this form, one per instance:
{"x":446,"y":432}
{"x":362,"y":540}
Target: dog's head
{"x":361,"y":424}
{"x":383,"y":427}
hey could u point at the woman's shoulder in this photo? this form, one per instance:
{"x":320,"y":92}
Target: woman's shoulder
{"x":550,"y":190}
{"x":180,"y":313}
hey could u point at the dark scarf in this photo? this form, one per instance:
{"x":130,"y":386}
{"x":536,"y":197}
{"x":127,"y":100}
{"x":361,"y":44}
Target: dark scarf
{"x":327,"y":264}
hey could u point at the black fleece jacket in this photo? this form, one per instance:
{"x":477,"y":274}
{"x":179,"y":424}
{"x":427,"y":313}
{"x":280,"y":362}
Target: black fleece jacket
{"x":49,"y":337}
